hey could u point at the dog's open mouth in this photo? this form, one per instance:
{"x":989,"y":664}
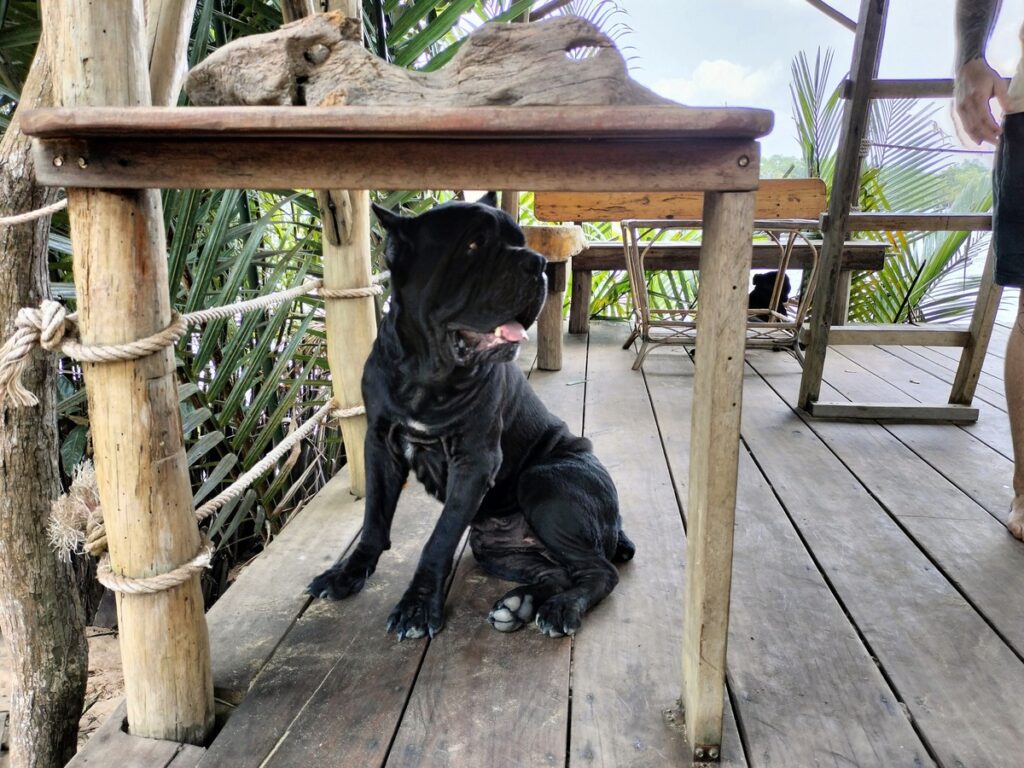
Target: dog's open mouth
{"x":511,"y":332}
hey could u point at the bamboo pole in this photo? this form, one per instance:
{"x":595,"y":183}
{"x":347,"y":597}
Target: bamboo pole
{"x":121,"y":280}
{"x":351,"y":323}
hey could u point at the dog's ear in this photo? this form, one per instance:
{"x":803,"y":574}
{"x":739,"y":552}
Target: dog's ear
{"x":390,"y":220}
{"x":491,"y":199}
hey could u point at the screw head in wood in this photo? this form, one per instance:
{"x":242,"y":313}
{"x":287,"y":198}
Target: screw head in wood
{"x":744,"y":161}
{"x":58,"y":161}
{"x":699,"y":752}
{"x":82,"y":162}
{"x":713,"y":753}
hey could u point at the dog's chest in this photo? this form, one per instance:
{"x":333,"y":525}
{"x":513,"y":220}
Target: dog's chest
{"x":426,"y":455}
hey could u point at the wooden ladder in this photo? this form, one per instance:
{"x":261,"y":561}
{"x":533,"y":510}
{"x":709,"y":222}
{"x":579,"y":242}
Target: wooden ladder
{"x":831,"y":293}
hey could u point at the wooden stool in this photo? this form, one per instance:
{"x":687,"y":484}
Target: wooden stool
{"x":557,"y":244}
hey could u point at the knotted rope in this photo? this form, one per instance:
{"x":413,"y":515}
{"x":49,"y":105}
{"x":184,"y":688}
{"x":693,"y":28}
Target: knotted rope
{"x":77,"y":518}
{"x":51,"y":327}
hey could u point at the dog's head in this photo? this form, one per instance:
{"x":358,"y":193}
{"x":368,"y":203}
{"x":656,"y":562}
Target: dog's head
{"x":464,"y":285}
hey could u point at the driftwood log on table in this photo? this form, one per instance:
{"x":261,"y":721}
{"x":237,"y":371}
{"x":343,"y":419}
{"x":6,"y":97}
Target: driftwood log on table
{"x":320,"y":61}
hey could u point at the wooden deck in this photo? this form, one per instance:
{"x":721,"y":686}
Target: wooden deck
{"x":877,"y":609}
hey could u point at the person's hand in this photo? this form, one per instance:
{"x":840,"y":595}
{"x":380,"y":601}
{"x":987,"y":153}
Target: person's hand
{"x":975,"y":87}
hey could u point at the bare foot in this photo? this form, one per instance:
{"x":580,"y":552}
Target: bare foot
{"x":1016,"y":520}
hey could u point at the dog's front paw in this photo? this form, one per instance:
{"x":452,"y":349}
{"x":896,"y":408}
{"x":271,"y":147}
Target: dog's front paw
{"x":420,"y":612}
{"x":339,"y":581}
{"x":559,"y":616}
{"x":513,"y":610}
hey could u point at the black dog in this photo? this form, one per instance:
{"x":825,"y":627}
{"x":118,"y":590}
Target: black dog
{"x":445,"y":399}
{"x":761,"y":296}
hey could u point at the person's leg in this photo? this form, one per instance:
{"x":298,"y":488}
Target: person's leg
{"x":1014,"y":381}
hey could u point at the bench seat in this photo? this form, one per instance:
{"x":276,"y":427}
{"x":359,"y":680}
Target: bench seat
{"x":597,"y":256}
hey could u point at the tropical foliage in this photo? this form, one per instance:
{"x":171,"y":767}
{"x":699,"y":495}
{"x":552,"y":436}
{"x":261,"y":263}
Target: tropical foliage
{"x":908,"y":166}
{"x":246,"y":382}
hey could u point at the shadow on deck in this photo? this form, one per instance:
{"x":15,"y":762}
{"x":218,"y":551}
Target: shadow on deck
{"x":876,"y":619}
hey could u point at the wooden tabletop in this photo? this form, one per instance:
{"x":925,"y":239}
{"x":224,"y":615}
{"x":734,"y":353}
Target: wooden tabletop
{"x":520,"y":123}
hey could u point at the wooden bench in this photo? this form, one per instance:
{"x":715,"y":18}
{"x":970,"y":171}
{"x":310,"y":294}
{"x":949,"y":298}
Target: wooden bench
{"x":776,"y":199}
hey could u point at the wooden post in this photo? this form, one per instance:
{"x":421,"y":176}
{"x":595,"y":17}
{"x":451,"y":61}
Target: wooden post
{"x":841,"y":307}
{"x":351,"y":323}
{"x":714,"y":454}
{"x":867,"y":49}
{"x":121,"y":279}
{"x":558,"y":244}
{"x":982,"y":320}
{"x":579,"y":302}
{"x":168,"y":23}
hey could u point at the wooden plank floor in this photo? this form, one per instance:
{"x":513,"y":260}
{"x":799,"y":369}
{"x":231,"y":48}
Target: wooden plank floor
{"x":877,"y":609}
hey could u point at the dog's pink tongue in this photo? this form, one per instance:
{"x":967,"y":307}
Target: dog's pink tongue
{"x":512,"y":331}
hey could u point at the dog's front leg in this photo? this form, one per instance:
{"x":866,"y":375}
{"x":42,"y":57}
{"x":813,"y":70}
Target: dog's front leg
{"x":385,"y":476}
{"x":421,"y":609}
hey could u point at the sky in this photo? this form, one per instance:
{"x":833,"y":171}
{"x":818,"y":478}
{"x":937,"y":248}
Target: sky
{"x":739,"y":52}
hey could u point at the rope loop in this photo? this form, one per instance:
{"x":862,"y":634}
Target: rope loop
{"x":352,"y":293}
{"x":148,"y":585}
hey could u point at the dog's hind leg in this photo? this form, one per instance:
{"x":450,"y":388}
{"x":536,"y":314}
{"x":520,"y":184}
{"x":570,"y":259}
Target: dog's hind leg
{"x":571,"y":505}
{"x":506,"y":547}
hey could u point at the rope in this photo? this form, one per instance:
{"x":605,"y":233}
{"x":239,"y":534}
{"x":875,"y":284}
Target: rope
{"x":49,"y":324}
{"x":147,"y":585}
{"x":38,"y":213}
{"x":95,"y":538}
{"x":351,"y":293}
{"x":239,"y":487}
{"x":251,"y":305}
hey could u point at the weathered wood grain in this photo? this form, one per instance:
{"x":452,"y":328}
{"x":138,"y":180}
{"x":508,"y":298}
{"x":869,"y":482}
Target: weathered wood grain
{"x":112,"y":745}
{"x":320,"y":61}
{"x":957,"y":677}
{"x":333,"y":692}
{"x":775,"y":199}
{"x":514,"y":123}
{"x":867,"y":50}
{"x":248,"y":622}
{"x":857,"y":254}
{"x":915,"y":222}
{"x":407,"y":163}
{"x":626,"y":660}
{"x":715,"y":432}
{"x":805,"y":688}
{"x":902,"y":334}
{"x":142,"y":474}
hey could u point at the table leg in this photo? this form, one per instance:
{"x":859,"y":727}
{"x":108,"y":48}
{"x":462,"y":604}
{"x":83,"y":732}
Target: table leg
{"x":718,"y":386}
{"x":549,"y":323}
{"x":579,"y":309}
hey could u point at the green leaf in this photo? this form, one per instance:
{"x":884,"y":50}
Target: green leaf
{"x":72,"y":449}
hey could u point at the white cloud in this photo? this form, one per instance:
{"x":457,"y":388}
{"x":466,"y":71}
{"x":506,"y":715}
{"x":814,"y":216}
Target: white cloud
{"x":719,"y":81}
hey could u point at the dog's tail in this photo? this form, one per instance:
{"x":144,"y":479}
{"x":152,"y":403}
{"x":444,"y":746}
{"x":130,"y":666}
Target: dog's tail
{"x":624,"y":548}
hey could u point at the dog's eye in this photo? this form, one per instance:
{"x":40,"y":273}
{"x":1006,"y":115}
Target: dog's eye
{"x":474,"y":246}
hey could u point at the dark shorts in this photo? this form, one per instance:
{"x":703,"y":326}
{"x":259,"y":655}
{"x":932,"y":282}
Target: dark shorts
{"x":1008,"y":203}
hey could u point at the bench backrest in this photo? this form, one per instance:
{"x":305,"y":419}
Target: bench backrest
{"x":776,"y":199}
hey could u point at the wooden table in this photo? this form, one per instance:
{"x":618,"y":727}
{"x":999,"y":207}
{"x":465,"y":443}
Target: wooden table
{"x":624,"y":149}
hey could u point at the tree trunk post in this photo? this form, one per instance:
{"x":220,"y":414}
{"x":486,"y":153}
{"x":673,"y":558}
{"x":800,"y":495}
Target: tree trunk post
{"x":168,"y":23}
{"x":351,"y":323}
{"x":121,"y":280}
{"x":40,"y":617}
